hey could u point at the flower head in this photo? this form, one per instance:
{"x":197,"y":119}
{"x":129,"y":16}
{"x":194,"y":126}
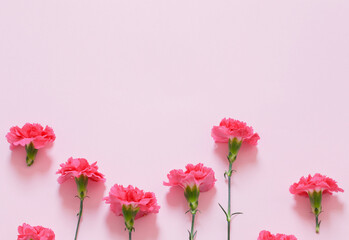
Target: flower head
{"x":314,"y":187}
{"x":30,"y":133}
{"x":199,"y":175}
{"x":131,"y":203}
{"x":27,"y":232}
{"x":196,"y":179}
{"x":131,"y":196}
{"x":316,"y":183}
{"x":32,"y":137}
{"x":77,"y":167}
{"x":231,"y":128}
{"x":266,"y":235}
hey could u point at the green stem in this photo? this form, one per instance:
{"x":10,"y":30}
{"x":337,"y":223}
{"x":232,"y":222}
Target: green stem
{"x":129,"y":234}
{"x":80,"y":213}
{"x":317,"y":223}
{"x":229,"y":199}
{"x":192,"y":234}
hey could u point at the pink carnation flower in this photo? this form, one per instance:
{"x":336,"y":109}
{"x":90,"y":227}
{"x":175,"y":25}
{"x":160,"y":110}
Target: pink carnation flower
{"x":80,"y":170}
{"x":76,"y":167}
{"x":314,"y":187}
{"x":231,"y":128}
{"x":27,"y":232}
{"x":196,"y":179}
{"x":316,"y":183}
{"x":199,"y":175}
{"x":30,"y":133}
{"x":266,"y":235}
{"x":32,"y":137}
{"x":131,"y":203}
{"x":120,"y":196}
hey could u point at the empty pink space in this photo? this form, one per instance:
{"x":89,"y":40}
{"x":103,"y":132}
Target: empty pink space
{"x":138,"y":85}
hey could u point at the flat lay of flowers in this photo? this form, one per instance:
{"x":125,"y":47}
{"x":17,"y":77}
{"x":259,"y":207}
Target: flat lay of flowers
{"x":174,"y":120}
{"x":132,"y":203}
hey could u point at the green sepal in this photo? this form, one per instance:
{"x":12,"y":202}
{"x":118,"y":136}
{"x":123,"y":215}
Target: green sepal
{"x":31,"y":153}
{"x":315,"y":198}
{"x":129,"y":213}
{"x":81,"y":183}
{"x":192,"y":196}
{"x":234,"y":147}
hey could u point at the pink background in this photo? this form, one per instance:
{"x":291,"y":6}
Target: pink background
{"x":137,"y":86}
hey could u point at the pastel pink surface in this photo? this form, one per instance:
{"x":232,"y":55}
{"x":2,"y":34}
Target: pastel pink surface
{"x":138,"y":85}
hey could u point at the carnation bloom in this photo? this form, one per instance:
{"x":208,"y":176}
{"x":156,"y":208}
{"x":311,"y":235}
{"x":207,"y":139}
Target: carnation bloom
{"x":32,"y":137}
{"x":132,"y":203}
{"x":80,"y":170}
{"x":314,"y":187}
{"x":76,"y":167}
{"x":231,"y":128}
{"x":266,"y":235}
{"x":233,"y":132}
{"x":316,"y":183}
{"x":196,"y":179}
{"x":198,"y":175}
{"x":27,"y":232}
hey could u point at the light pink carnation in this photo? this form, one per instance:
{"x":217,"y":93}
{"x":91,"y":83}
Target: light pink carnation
{"x":34,"y":133}
{"x":317,"y":183}
{"x":119,"y":196}
{"x":27,"y":232}
{"x":231,"y":128}
{"x":75,"y":167}
{"x":198,"y":175}
{"x":266,"y":235}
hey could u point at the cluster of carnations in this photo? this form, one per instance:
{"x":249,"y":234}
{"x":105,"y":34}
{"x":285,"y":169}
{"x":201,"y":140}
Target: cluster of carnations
{"x":133,"y":203}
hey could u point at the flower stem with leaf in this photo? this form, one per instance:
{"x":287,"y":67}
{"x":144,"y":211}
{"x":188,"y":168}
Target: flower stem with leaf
{"x":192,"y":233}
{"x":234,"y":147}
{"x":192,"y":196}
{"x":81,"y":183}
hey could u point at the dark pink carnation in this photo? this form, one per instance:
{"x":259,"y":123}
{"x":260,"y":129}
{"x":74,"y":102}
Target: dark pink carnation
{"x":198,"y":175}
{"x":27,"y":232}
{"x":34,"y":133}
{"x":266,"y":235}
{"x":317,"y":183}
{"x":75,"y":167}
{"x":285,"y":237}
{"x":231,"y":128}
{"x":119,"y":196}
